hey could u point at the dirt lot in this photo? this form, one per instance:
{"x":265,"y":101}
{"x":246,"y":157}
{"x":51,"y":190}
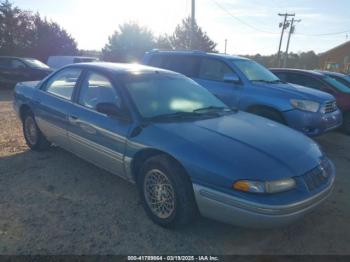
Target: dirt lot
{"x":55,"y":203}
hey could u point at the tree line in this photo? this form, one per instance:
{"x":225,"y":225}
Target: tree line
{"x":23,"y":33}
{"x":302,"y":60}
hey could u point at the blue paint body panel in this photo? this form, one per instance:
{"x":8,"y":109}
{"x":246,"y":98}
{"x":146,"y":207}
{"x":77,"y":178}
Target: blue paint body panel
{"x":215,"y":152}
{"x":248,"y":94}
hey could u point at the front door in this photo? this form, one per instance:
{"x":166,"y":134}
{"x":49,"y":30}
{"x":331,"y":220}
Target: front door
{"x":53,"y":102}
{"x":94,"y":136}
{"x":211,"y":75}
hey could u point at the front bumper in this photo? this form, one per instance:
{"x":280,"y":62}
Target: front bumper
{"x":313,"y":124}
{"x":232,"y":210}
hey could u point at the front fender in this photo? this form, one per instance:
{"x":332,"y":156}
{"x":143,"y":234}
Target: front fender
{"x":278,"y":104}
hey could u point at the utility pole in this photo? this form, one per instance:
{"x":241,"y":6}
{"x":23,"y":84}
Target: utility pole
{"x":225,"y":45}
{"x":291,"y":31}
{"x":193,"y":22}
{"x":284,"y":26}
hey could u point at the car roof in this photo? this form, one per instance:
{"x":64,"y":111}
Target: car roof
{"x":120,"y":68}
{"x":198,"y":53}
{"x":295,"y":70}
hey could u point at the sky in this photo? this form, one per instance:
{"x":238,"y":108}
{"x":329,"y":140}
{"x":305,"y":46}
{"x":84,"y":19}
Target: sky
{"x":250,"y":26}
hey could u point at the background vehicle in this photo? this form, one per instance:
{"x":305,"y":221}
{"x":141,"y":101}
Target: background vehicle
{"x":244,"y":84}
{"x":16,"y":69}
{"x":324,"y":82}
{"x":180,"y":144}
{"x":57,"y":62}
{"x":342,"y":78}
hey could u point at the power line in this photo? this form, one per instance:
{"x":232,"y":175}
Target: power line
{"x":240,"y":20}
{"x":269,"y":32}
{"x":325,"y":34}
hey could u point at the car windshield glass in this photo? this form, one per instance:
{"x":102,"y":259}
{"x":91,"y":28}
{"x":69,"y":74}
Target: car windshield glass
{"x":157,"y":95}
{"x":35,"y":63}
{"x":338,"y":85}
{"x":255,"y":72}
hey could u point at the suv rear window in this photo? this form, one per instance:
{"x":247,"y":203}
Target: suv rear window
{"x":156,"y":61}
{"x":186,"y":65}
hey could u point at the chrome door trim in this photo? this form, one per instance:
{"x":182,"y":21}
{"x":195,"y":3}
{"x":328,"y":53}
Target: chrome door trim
{"x":96,"y":147}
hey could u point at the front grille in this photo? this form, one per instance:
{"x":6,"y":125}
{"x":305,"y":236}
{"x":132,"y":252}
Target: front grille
{"x":318,"y":176}
{"x":330,"y":107}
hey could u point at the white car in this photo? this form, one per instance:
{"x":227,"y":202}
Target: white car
{"x":57,"y":62}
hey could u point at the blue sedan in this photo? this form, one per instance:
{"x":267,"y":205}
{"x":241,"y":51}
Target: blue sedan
{"x":187,"y":152}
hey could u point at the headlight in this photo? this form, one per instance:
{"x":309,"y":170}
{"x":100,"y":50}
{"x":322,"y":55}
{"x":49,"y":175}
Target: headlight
{"x":305,"y":105}
{"x":264,"y":187}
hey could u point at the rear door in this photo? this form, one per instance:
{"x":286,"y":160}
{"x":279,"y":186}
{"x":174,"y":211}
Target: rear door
{"x":211,"y":75}
{"x":53,"y":102}
{"x":96,"y":137}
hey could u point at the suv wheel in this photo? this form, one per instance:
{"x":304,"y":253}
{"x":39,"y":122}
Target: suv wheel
{"x":268,"y":113}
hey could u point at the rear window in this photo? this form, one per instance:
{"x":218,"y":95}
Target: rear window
{"x":156,"y":61}
{"x":186,"y":65}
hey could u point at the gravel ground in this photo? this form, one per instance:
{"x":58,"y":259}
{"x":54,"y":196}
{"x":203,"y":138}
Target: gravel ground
{"x":55,"y":203}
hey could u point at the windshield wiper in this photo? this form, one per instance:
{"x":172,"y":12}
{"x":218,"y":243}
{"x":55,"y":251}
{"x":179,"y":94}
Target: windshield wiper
{"x":278,"y":81}
{"x":175,"y":115}
{"x":211,"y":109}
{"x":268,"y":82}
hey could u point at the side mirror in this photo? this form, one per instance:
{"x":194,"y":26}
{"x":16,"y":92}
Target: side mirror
{"x":231,"y":78}
{"x":110,"y":109}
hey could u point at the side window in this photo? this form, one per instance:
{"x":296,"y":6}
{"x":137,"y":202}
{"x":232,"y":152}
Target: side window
{"x":16,"y":64}
{"x":185,"y":65}
{"x":98,"y":89}
{"x":281,"y":76}
{"x":304,"y":81}
{"x":62,"y":84}
{"x":215,"y":70}
{"x":156,"y":61}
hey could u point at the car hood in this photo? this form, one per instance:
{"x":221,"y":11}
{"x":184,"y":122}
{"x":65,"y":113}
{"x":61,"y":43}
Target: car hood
{"x":248,"y":143}
{"x":298,"y":91}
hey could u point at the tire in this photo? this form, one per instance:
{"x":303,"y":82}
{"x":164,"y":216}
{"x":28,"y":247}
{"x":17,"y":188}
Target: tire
{"x":269,"y":113}
{"x":346,"y":123}
{"x":181,"y":208}
{"x":32,"y":134}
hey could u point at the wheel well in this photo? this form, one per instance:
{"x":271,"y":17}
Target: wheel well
{"x":142,"y":156}
{"x":255,"y":108}
{"x":23,"y":110}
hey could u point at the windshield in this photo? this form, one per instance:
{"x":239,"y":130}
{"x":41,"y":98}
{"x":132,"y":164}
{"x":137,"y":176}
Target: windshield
{"x":157,"y":95}
{"x":255,"y":72}
{"x":342,"y":87}
{"x":35,"y":63}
